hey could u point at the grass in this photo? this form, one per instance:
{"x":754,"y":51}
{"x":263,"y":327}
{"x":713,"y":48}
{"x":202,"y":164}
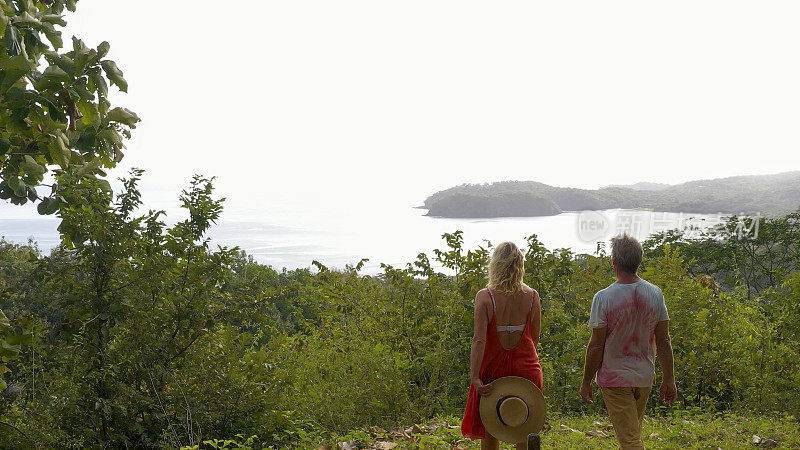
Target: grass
{"x":698,"y":431}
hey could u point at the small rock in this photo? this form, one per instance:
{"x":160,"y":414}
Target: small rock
{"x":347,"y":445}
{"x":323,"y":447}
{"x":596,"y":433}
{"x":384,"y":445}
{"x":603,"y":426}
{"x":763,"y":442}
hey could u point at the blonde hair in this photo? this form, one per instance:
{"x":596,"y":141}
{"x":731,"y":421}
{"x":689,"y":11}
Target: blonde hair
{"x":506,"y":269}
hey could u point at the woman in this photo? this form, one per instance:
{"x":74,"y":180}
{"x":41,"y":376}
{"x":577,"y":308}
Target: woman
{"x":507,"y":323}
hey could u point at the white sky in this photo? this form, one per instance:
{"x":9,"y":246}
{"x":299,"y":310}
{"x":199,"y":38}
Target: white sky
{"x":373,"y":99}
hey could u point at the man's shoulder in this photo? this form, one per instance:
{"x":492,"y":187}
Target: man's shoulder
{"x":603,"y":293}
{"x":651,"y":287}
{"x":607,"y":289}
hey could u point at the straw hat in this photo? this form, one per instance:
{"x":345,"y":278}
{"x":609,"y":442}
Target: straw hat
{"x":513,"y":409}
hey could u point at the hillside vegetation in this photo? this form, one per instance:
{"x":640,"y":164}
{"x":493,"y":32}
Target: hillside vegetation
{"x":138,"y":334}
{"x":770,"y":195}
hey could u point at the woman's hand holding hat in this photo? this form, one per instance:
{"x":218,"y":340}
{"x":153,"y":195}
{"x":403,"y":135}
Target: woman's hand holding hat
{"x":483,"y":389}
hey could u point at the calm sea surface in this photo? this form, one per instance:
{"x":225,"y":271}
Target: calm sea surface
{"x":292,"y":235}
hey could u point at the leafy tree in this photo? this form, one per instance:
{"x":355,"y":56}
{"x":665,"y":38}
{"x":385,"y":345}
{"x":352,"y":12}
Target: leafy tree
{"x":55,"y":115}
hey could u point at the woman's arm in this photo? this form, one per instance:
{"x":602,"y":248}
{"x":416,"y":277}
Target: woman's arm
{"x":481,"y":320}
{"x":536,"y":318}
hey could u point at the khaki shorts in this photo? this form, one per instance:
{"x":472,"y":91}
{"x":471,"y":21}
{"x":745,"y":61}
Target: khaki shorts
{"x":625,"y":407}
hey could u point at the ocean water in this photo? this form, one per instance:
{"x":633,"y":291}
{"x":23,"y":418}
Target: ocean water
{"x":292,"y":235}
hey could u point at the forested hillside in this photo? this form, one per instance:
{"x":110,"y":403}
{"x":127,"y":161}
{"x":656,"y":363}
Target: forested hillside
{"x":771,"y":195}
{"x":134,"y":333}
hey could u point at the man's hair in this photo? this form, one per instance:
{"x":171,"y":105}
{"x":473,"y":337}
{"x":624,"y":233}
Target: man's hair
{"x":627,"y":252}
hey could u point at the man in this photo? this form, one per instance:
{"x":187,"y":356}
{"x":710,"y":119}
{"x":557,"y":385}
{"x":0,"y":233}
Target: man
{"x":629,"y":322}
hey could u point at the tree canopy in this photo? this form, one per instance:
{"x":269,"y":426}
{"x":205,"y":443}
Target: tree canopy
{"x":55,"y":113}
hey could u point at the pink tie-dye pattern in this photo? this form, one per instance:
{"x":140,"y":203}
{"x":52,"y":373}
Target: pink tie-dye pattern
{"x":629,"y":324}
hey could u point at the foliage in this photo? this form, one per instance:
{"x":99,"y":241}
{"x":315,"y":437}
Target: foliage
{"x":143,"y":334}
{"x":55,"y":113}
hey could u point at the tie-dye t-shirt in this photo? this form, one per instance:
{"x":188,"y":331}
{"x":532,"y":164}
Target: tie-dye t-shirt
{"x":630,"y":313}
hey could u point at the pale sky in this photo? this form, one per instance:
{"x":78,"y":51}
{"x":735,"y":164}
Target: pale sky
{"x":291,"y":100}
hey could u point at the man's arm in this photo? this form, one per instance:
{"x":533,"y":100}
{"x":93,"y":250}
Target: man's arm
{"x":665,"y":360}
{"x":594,"y":358}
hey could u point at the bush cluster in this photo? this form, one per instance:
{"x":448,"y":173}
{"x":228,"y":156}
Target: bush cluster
{"x":145,"y":335}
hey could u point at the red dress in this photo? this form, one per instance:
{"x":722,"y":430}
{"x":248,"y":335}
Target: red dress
{"x":520,"y":360}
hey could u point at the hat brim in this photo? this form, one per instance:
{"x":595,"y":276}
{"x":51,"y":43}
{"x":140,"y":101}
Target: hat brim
{"x":522,"y":388}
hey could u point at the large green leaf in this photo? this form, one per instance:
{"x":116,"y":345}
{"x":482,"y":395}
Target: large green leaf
{"x":114,"y":74}
{"x":97,"y":81}
{"x":19,"y":339}
{"x":105,"y":185}
{"x":47,"y":206}
{"x":111,"y":136}
{"x":8,"y":351}
{"x":102,"y":49}
{"x":85,"y":142}
{"x":55,"y":19}
{"x":124,"y":116}
{"x":56,"y":73}
{"x":81,"y":60}
{"x":28,"y":21}
{"x":53,"y":35}
{"x":90,"y":115}
{"x":81,"y":87}
{"x":13,"y":41}
{"x":13,"y":69}
{"x":59,"y":151}
{"x":64,"y":63}
{"x":5,"y":324}
{"x":31,"y":167}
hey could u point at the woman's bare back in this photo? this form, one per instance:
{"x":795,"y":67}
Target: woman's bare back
{"x":512,"y":315}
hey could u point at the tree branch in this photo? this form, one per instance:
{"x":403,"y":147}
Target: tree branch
{"x":18,"y":431}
